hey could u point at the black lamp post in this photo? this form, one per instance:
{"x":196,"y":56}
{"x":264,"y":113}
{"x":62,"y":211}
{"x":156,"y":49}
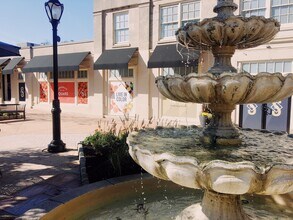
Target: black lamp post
{"x":54,"y":11}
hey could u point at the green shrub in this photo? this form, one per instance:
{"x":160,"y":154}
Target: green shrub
{"x":110,"y":147}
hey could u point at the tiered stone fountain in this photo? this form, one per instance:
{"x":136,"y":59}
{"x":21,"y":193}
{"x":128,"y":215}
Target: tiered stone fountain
{"x":224,"y":161}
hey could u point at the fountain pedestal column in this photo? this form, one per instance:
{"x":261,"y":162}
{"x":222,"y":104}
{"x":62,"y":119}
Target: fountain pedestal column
{"x":215,"y":206}
{"x":222,"y":61}
{"x":221,"y":131}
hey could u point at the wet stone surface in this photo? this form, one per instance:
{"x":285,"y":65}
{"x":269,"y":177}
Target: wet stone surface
{"x":263,"y":148}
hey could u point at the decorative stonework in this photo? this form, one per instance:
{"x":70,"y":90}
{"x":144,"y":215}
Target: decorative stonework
{"x":235,"y":31}
{"x":221,"y":159}
{"x":227,"y":88}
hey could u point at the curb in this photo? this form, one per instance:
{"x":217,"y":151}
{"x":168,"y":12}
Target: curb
{"x":82,"y":166}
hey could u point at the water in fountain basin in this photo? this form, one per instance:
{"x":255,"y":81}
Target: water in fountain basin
{"x":158,"y":207}
{"x":263,"y":148}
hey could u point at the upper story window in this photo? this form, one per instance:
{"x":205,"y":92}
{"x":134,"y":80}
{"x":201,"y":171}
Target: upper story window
{"x":282,"y":10}
{"x":121,"y":28}
{"x":190,"y":11}
{"x":173,"y":16}
{"x":253,"y":7}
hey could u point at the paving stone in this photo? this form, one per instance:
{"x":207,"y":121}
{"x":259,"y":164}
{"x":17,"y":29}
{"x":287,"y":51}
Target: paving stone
{"x":21,"y":207}
{"x":36,"y":189}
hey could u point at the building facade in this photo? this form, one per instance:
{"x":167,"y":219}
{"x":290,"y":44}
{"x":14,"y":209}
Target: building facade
{"x":134,"y":42}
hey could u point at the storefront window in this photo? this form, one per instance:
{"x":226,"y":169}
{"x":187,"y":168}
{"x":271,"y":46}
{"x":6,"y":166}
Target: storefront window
{"x":64,"y":74}
{"x":82,"y":74}
{"x":178,"y":70}
{"x":121,"y":73}
{"x":121,"y":92}
{"x":82,"y":93}
{"x":269,"y":66}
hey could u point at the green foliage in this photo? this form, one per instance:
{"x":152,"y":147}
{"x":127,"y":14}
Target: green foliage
{"x":110,"y":147}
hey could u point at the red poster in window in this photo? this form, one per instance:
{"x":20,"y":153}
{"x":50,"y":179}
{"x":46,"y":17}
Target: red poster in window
{"x":43,"y":92}
{"x":82,"y":93}
{"x":65,"y":92}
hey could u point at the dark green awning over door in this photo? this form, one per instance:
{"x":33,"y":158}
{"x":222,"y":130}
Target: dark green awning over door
{"x":168,"y":56}
{"x":66,"y":62}
{"x":12,"y":64}
{"x":115,"y":59}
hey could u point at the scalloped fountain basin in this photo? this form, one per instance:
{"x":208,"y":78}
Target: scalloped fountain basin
{"x":164,"y":200}
{"x":262,"y":164}
{"x":229,"y":88}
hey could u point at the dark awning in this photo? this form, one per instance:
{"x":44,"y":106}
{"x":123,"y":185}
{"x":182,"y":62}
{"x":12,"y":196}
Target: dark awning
{"x":168,"y":56}
{"x":115,"y":59}
{"x":12,"y":64}
{"x":4,"y":62}
{"x":7,"y":50}
{"x":68,"y":61}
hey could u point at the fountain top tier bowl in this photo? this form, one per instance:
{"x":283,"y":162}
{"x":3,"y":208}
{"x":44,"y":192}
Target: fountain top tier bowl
{"x":226,"y":29}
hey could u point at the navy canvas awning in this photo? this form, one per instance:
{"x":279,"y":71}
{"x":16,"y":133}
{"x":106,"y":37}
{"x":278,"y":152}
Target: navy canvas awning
{"x":66,"y":62}
{"x":115,"y":59}
{"x":14,"y":63}
{"x":7,"y":50}
{"x":169,"y":56}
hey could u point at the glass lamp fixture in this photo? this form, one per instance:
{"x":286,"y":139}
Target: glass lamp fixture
{"x":54,"y":10}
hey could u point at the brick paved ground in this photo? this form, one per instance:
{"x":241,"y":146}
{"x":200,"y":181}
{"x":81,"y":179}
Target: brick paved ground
{"x":30,"y":174}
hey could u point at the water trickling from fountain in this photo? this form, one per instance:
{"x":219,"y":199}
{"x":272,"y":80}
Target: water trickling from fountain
{"x":221,"y":159}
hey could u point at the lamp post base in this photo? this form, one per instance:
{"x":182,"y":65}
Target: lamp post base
{"x":56,"y":146}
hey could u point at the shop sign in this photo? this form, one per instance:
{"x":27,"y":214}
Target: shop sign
{"x":21,"y":92}
{"x":43,"y":92}
{"x":82,"y":93}
{"x":65,"y":92}
{"x":121,"y":97}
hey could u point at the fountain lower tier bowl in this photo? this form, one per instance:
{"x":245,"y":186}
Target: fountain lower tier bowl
{"x":227,"y":88}
{"x":234,"y":31}
{"x":262,"y":164}
{"x":148,"y":198}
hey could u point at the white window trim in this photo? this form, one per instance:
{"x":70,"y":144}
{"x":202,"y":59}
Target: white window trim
{"x":266,"y":62}
{"x":179,"y":20}
{"x":123,"y":43}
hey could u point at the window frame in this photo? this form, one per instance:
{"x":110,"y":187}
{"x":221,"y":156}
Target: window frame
{"x":268,"y":63}
{"x":120,"y":29}
{"x":248,"y":12}
{"x":280,"y":6}
{"x":180,"y":19}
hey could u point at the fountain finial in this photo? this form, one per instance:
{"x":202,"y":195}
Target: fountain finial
{"x":225,"y":8}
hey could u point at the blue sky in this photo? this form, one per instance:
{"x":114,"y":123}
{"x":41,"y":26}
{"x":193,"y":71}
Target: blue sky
{"x":26,"y":21}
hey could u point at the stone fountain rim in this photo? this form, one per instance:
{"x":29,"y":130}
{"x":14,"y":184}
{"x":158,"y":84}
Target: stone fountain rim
{"x":212,"y":76}
{"x":224,"y":20}
{"x":162,"y":157}
{"x":215,"y":175}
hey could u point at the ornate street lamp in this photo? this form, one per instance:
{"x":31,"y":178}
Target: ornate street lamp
{"x":54,"y":11}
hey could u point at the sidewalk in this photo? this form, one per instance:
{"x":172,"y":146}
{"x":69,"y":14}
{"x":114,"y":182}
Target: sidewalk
{"x":30,"y":174}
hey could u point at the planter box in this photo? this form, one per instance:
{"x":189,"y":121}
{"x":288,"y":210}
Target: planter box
{"x":96,"y":167}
